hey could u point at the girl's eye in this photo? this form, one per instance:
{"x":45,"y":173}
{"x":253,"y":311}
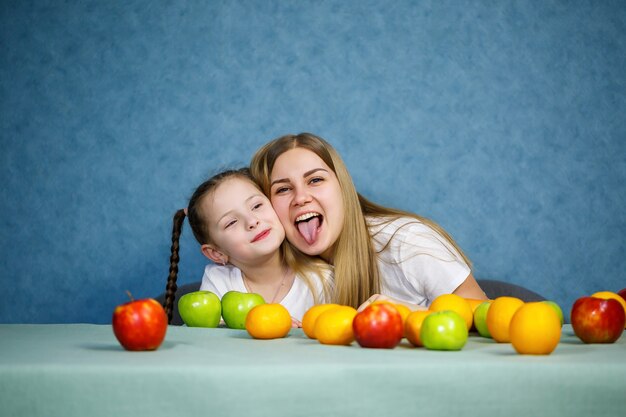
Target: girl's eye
{"x":230,"y":223}
{"x":257,"y":206}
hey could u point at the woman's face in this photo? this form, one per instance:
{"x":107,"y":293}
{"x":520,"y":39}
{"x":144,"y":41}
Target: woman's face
{"x":307,"y":198}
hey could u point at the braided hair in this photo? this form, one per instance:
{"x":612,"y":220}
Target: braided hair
{"x":199,"y":227}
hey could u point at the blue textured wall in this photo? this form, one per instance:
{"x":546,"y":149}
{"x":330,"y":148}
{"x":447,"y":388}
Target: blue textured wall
{"x":505,"y":121}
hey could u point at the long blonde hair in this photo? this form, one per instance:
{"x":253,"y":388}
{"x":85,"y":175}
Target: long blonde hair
{"x":355,"y":260}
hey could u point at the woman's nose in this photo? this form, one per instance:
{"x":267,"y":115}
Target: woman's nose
{"x":301,"y":196}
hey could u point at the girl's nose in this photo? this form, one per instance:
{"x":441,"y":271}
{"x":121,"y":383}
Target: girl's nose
{"x":252,"y":222}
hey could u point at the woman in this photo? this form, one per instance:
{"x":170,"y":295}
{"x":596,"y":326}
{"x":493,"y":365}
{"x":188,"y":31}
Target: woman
{"x":377,"y":252}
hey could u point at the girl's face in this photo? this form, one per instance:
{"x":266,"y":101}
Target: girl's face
{"x":242,"y":223}
{"x":307,"y":198}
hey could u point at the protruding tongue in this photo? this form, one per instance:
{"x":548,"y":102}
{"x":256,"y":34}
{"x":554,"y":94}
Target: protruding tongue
{"x":309,"y":229}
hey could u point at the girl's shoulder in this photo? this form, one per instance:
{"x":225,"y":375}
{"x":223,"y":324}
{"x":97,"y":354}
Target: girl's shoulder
{"x":222,"y":272}
{"x":220,"y":279}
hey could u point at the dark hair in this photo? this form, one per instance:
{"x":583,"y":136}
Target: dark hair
{"x":198,"y":224}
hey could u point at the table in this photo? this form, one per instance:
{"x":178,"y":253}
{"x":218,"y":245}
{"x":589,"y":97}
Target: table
{"x":80,"y":370}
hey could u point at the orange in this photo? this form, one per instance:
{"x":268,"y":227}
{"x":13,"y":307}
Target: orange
{"x":334,"y":326}
{"x":404,"y":312}
{"x":268,"y":321}
{"x":474,"y":303}
{"x":535,"y":329}
{"x":499,"y":317}
{"x":454,"y":303}
{"x":310,"y":317}
{"x":413,"y":325}
{"x":607,"y":295}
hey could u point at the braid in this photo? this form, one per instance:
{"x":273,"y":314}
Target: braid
{"x":198,"y":224}
{"x":170,"y":289}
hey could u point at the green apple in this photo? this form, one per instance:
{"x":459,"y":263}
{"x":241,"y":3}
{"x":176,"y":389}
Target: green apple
{"x":444,"y":330}
{"x":235,"y":307}
{"x":556,"y":308}
{"x":200,"y":309}
{"x":480,"y":319}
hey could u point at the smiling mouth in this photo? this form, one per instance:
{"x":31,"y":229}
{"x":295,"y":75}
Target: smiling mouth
{"x":261,"y":235}
{"x":308,"y":225}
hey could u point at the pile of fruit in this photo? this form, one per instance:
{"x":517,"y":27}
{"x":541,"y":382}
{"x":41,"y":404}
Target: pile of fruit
{"x":531,"y":328}
{"x":239,"y":311}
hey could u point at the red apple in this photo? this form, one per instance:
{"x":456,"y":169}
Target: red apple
{"x":378,"y":326}
{"x":622,"y":293}
{"x":140,"y":324}
{"x":596,"y":320}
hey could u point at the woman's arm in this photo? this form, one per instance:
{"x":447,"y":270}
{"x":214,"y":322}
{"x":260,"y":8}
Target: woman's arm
{"x":382,"y":298}
{"x":470,"y":289}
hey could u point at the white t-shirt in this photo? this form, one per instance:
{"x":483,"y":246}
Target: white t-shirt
{"x":220,"y":279}
{"x":418,"y":264}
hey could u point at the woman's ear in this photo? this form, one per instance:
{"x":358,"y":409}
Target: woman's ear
{"x":214,"y":254}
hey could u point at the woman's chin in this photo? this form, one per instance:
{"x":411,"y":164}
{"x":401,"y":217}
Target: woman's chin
{"x":311,"y":251}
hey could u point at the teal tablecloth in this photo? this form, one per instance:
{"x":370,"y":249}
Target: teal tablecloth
{"x":80,"y":370}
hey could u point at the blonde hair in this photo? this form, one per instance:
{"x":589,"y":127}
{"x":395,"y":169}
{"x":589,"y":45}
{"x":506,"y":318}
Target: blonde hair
{"x":355,"y":260}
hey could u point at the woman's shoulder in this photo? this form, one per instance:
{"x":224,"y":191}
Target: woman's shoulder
{"x":408,"y":235}
{"x":402,"y":238}
{"x":398,"y":226}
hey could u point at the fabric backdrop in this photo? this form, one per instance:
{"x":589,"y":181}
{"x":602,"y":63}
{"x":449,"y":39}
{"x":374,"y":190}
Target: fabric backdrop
{"x":504,"y":121}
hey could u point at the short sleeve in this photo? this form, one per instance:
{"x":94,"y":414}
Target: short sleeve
{"x":416,"y":263}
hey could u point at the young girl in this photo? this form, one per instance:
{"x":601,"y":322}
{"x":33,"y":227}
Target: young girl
{"x":239,"y":231}
{"x":377,"y":252}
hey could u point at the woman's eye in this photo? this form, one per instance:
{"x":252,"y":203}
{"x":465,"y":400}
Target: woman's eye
{"x":280,"y":190}
{"x":315,"y":180}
